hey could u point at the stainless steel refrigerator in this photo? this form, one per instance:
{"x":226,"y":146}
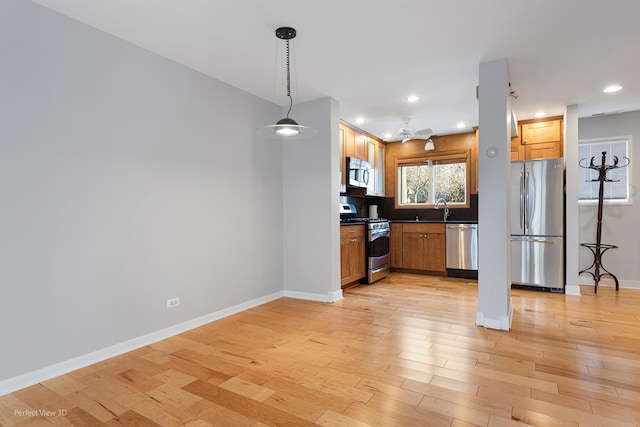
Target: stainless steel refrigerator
{"x":537,"y":223}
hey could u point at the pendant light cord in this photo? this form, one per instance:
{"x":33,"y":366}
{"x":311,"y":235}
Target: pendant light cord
{"x":289,"y":82}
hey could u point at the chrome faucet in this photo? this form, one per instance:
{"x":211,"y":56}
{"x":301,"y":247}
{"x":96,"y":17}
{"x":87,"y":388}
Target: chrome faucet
{"x":446,"y":207}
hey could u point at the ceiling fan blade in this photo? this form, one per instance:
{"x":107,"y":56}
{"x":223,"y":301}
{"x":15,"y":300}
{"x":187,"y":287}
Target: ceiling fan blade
{"x":394,"y":139}
{"x":425,"y":132}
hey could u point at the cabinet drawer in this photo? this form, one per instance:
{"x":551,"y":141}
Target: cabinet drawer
{"x":351,"y":231}
{"x":422,"y":228}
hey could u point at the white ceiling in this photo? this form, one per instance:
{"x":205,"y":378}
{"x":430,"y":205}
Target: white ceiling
{"x":369,"y":55}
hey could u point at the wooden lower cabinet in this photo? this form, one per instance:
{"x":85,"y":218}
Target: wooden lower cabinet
{"x":395,"y":245}
{"x":352,"y":254}
{"x":419,"y":246}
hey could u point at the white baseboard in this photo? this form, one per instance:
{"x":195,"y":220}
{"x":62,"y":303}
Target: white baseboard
{"x":607,"y":282}
{"x":34,"y":377}
{"x":335,"y":296}
{"x":503,"y":323}
{"x":329,"y":297}
{"x":572,"y":290}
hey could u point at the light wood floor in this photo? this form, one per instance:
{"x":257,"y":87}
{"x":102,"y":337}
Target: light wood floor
{"x":401,"y":352}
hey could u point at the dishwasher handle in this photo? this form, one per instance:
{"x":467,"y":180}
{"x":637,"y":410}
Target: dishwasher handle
{"x":462,"y":226}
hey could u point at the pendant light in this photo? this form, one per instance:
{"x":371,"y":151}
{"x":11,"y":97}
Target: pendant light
{"x":287,"y":127}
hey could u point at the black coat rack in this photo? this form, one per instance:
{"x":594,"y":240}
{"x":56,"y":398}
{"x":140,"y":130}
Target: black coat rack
{"x":598,"y":248}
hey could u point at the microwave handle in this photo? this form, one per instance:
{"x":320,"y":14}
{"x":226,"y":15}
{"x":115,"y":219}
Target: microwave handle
{"x":366,"y":176}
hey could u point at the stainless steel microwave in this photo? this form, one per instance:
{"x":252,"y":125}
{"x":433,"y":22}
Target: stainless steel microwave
{"x":358,"y":172}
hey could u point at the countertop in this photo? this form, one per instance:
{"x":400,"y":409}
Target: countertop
{"x":434,"y":221}
{"x":422,"y":221}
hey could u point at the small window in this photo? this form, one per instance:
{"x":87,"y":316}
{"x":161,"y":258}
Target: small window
{"x":422,"y":181}
{"x":616,"y":191}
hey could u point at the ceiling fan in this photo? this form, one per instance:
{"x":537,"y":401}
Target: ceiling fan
{"x":408,"y":133}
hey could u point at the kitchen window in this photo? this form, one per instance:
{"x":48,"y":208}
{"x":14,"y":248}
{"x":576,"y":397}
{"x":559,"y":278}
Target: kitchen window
{"x":616,"y":192}
{"x":424,"y":180}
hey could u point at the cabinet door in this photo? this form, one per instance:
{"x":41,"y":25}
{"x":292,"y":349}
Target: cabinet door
{"x":380,"y":169}
{"x":547,"y":150}
{"x":352,"y":253}
{"x":362,"y":148}
{"x":358,"y":262}
{"x":345,"y":260}
{"x":413,"y":251}
{"x":395,"y":246}
{"x":517,"y":149}
{"x":343,"y":175}
{"x":350,"y":143}
{"x":540,"y":132}
{"x":435,"y":252}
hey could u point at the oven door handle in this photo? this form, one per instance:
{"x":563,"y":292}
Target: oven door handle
{"x":383,"y":232}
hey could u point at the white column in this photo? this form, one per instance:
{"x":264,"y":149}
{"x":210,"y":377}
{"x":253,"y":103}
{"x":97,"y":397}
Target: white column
{"x":494,"y":163}
{"x":311,"y":191}
{"x":571,"y":194}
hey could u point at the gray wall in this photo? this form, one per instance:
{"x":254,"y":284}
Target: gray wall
{"x":125,"y":179}
{"x":620,"y":222}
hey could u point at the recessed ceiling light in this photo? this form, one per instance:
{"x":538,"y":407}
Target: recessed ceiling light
{"x":540,"y":114}
{"x":359,"y":121}
{"x":387,"y":135}
{"x":413,"y":98}
{"x":460,"y":125}
{"x":612,"y":88}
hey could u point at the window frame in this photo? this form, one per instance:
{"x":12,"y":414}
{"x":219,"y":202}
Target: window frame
{"x":629,"y":175}
{"x":443,"y":156}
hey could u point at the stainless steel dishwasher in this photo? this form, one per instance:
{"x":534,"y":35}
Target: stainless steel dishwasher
{"x":462,"y":250}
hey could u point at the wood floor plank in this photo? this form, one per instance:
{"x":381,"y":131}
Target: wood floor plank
{"x":218,"y":415}
{"x":245,"y":406}
{"x":247,"y":389}
{"x":460,"y":412}
{"x":492,"y":407}
{"x":11,"y":408}
{"x":538,"y":419}
{"x":334,"y":419}
{"x":132,"y":418}
{"x":404,"y":351}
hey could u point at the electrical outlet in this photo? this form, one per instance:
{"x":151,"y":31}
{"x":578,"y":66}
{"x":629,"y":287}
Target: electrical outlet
{"x":173,"y":302}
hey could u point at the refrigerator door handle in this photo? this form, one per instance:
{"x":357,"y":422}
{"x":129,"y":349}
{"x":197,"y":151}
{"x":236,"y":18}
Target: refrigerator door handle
{"x":521,"y":199}
{"x":529,"y":239}
{"x":527,"y":216}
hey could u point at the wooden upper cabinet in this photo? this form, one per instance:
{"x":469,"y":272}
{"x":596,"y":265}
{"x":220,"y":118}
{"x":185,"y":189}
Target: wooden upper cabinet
{"x":546,"y":150}
{"x":538,"y":140}
{"x":362,"y":147}
{"x":541,"y":132}
{"x":517,"y":149}
{"x":350,"y":143}
{"x":355,"y":144}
